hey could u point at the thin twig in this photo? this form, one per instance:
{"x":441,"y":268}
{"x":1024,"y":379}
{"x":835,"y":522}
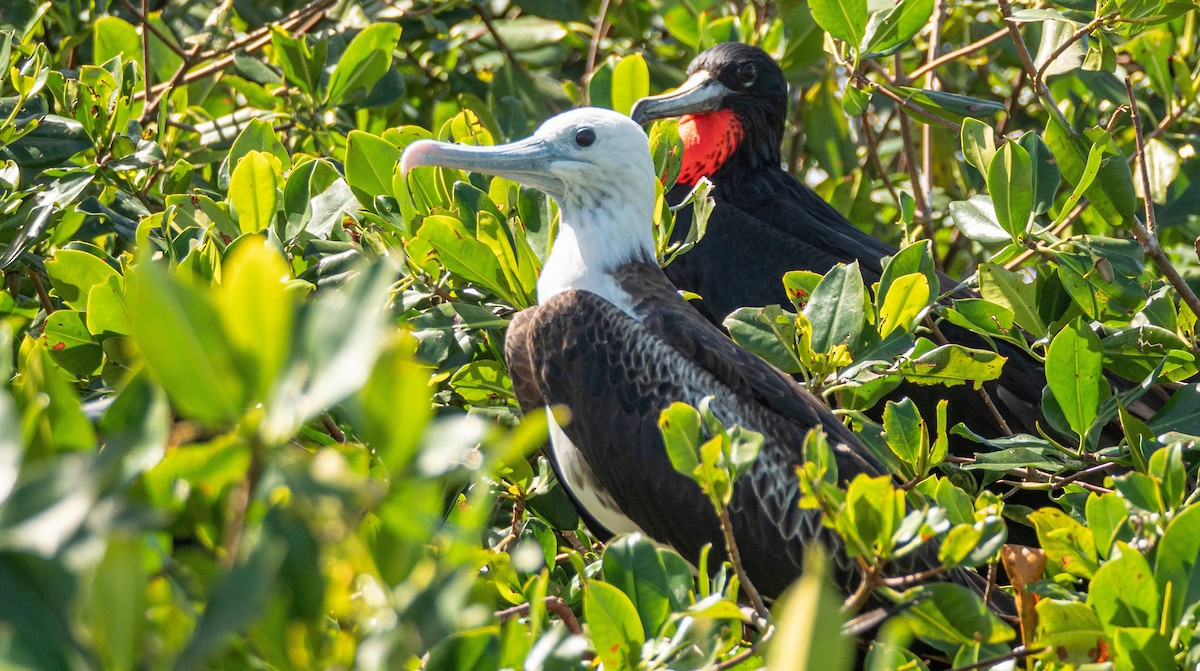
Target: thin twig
{"x":253,"y":41}
{"x":735,"y":558}
{"x":1022,"y":50}
{"x":1010,"y":103}
{"x":143,"y":16}
{"x":146,"y":27}
{"x":873,"y":157}
{"x":957,"y":53}
{"x":188,"y":61}
{"x":598,"y":30}
{"x":1167,"y":121}
{"x":1019,"y":652}
{"x":983,"y":392}
{"x":43,"y":295}
{"x":900,"y":582}
{"x":553,"y":604}
{"x":1090,"y":470}
{"x":738,"y":658}
{"x":1040,"y":75}
{"x":1147,"y":235}
{"x":931,"y":84}
{"x":332,"y":428}
{"x":909,"y":105}
{"x":869,"y":582}
{"x":485,"y":16}
{"x":239,"y":504}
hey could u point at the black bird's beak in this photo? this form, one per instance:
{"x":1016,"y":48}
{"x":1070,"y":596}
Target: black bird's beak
{"x":700,"y":93}
{"x":527,"y":161}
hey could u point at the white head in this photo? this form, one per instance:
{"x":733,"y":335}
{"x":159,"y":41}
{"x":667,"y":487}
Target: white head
{"x":596,"y":163}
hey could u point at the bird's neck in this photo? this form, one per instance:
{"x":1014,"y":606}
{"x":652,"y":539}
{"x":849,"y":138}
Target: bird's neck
{"x":715,"y":142}
{"x":594,"y":240}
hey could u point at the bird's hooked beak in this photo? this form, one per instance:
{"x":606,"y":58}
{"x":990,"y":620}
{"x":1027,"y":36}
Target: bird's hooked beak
{"x":527,"y":161}
{"x":700,"y":93}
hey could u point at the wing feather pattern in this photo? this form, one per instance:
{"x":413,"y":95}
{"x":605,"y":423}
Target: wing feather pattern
{"x":618,"y":374}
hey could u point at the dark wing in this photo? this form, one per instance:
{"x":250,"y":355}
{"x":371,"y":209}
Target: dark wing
{"x":617,"y":376}
{"x":745,"y":252}
{"x":516,"y":358}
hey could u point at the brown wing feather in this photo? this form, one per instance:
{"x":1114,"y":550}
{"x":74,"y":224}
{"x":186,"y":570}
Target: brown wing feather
{"x":517,"y":358}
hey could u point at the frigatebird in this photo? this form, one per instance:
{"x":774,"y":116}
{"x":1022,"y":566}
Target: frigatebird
{"x":613,"y":341}
{"x":765,"y":223}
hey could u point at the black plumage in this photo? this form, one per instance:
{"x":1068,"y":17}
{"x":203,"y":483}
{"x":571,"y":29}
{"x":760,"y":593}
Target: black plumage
{"x":767,"y":223}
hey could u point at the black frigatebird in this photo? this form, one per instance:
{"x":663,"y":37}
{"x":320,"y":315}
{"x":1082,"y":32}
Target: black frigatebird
{"x":613,"y":341}
{"x":732,"y":110}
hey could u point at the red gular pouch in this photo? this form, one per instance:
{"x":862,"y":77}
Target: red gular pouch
{"x":709,"y":139}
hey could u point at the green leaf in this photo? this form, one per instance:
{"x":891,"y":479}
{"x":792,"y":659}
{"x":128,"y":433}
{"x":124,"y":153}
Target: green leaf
{"x":873,"y":511}
{"x":398,"y":387}
{"x":115,"y":603}
{"x":1107,"y":517}
{"x":364,"y":61}
{"x":258,"y":135}
{"x":1070,"y":630}
{"x":1123,"y":592}
{"x":682,"y":436}
{"x":977,"y":220}
{"x":237,"y":599}
{"x":73,"y":273}
{"x":252,"y":192}
{"x":370,"y":162}
{"x":70,"y":343}
{"x":836,"y":308}
{"x":973,"y":544}
{"x":336,"y":341}
{"x":899,"y":25}
{"x":1044,"y":171}
{"x":768,"y":332}
{"x":614,"y":626}
{"x":1142,"y":649}
{"x":1074,"y":374}
{"x":845,"y":20}
{"x":630,"y":82}
{"x":1181,"y":413}
{"x":953,"y":365}
{"x":1175,"y":566}
{"x":905,"y":301}
{"x":178,"y":332}
{"x":952,"y":105}
{"x":1068,"y":544}
{"x":953,"y":614}
{"x":978,"y":144}
{"x":809,"y":623}
{"x":632,"y":564}
{"x":256,"y":307}
{"x":301,"y":65}
{"x":1009,"y":182}
{"x":905,"y":430}
{"x":1112,"y":193}
{"x":1010,"y":290}
{"x":466,"y":651}
{"x":465,"y":256}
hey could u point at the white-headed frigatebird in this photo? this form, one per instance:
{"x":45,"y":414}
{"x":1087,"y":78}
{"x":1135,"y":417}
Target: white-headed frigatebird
{"x":613,"y":341}
{"x":765,"y":223}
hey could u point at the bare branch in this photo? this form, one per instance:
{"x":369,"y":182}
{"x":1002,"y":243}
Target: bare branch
{"x":1148,"y":234}
{"x":957,"y":53}
{"x":553,"y":604}
{"x":735,"y":558}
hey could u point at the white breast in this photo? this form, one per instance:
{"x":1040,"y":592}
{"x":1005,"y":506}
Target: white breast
{"x":579,"y":478}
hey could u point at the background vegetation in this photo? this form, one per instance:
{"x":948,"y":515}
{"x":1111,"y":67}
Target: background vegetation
{"x":254,"y":412}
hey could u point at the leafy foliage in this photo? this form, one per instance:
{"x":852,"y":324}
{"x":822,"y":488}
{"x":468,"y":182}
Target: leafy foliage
{"x":254,"y":411}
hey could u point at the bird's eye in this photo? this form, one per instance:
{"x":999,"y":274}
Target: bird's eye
{"x":748,"y":73}
{"x":585,"y":137}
